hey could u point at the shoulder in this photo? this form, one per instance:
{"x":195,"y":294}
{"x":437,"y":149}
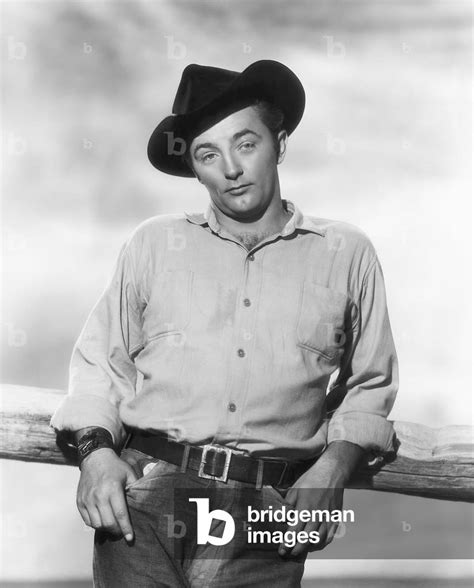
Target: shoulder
{"x":343,"y":236}
{"x":147,"y":242}
{"x":153,"y":230}
{"x":160,"y":222}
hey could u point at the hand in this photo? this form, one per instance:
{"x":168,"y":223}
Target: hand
{"x":313,"y":492}
{"x":322,"y":488}
{"x":100,"y":493}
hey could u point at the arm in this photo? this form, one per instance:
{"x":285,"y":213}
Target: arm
{"x":322,"y":487}
{"x":102,"y":375}
{"x":365,"y":390}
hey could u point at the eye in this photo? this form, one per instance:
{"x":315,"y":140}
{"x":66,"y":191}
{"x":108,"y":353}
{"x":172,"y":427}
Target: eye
{"x":208,"y":157}
{"x":247,"y":146}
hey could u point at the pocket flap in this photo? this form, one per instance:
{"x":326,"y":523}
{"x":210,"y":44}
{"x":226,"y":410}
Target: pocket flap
{"x":321,"y":320}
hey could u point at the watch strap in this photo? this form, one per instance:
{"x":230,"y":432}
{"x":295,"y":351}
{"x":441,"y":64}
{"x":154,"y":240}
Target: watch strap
{"x":96,"y":438}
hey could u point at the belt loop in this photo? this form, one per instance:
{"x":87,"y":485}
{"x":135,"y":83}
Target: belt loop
{"x":280,"y":481}
{"x":127,"y":440}
{"x":185,"y":460}
{"x":259,"y":482}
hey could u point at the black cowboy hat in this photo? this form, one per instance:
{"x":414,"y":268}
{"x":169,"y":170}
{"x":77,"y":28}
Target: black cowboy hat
{"x":207,"y":94}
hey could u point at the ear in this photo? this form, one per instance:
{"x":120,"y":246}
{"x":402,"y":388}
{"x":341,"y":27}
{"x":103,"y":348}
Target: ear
{"x":282,"y":143}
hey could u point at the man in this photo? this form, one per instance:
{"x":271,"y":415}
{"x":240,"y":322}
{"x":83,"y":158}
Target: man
{"x":237,"y":319}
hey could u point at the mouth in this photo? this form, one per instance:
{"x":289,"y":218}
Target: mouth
{"x":237,"y":190}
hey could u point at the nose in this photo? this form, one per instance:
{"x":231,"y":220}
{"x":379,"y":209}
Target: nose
{"x":232,"y":168}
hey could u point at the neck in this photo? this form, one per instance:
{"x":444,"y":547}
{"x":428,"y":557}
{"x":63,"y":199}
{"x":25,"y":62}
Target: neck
{"x":251,"y":232}
{"x":273,"y":218}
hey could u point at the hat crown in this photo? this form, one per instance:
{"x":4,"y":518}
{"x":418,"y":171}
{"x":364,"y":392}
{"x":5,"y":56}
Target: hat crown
{"x":200,"y":85}
{"x":207,"y":94}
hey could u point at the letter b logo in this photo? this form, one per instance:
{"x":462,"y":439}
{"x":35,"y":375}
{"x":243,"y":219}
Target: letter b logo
{"x":204,"y":522}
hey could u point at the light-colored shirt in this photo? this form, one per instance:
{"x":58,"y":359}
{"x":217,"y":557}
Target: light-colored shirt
{"x":239,"y":347}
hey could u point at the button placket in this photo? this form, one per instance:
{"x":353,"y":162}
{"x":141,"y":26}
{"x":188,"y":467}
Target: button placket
{"x":247,"y":302}
{"x":237,"y":391}
{"x":247,"y":321}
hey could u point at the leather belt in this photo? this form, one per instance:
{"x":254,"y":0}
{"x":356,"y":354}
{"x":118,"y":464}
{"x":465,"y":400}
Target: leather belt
{"x":216,"y":462}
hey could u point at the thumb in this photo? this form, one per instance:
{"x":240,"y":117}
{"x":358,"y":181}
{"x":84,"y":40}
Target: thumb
{"x":132,"y":475}
{"x":291,"y":496}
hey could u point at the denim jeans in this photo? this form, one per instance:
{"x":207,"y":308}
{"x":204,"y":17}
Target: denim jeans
{"x":165,"y":552}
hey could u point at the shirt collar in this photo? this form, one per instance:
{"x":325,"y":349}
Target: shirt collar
{"x":298,"y":220}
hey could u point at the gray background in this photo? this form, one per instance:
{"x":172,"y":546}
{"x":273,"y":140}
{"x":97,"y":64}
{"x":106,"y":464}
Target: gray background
{"x":384,"y":144}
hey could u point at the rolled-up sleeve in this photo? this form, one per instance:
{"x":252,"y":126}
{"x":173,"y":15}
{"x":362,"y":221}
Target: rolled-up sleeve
{"x":368,"y":378}
{"x":102,"y":373}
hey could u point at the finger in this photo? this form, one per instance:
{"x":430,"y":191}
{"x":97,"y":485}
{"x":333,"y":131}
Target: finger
{"x":81,"y":507}
{"x":134,"y":464}
{"x":298,"y":549}
{"x":132,"y":476}
{"x":323,"y":533}
{"x":94,"y":515}
{"x":332,"y":533}
{"x":296,"y":525}
{"x":109,"y":523}
{"x":284,"y":549}
{"x":304,"y":545}
{"x":85,"y":516}
{"x":120,"y":510}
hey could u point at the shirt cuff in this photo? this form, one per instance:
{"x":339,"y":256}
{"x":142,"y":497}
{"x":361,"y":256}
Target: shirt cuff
{"x":370,"y":431}
{"x":88,"y":410}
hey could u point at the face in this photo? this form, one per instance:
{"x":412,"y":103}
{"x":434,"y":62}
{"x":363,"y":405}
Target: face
{"x":236,"y":161}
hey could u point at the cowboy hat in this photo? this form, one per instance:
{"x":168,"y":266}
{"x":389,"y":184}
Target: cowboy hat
{"x":208,"y":94}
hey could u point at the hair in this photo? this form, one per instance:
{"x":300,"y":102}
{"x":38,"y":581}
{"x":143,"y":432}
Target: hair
{"x":270,"y":115}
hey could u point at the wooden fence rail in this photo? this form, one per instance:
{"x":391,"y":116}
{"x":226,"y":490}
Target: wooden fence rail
{"x":433,"y":463}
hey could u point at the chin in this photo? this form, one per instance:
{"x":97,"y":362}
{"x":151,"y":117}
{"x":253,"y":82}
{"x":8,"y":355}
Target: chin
{"x":245,"y":202}
{"x":245,"y":208}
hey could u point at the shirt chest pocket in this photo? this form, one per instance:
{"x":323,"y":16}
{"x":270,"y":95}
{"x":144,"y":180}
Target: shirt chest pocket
{"x":169,"y":305}
{"x":320,"y":323}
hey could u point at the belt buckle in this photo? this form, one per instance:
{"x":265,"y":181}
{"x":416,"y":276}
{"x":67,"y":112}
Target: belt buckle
{"x":228,"y":455}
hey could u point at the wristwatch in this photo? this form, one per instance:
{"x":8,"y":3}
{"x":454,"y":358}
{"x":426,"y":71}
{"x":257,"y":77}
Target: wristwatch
{"x":95,"y":439}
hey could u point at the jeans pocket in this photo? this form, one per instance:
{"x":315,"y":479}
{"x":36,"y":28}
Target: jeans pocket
{"x":150,"y":467}
{"x":277,"y":495}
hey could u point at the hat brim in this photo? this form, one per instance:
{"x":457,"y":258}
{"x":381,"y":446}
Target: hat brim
{"x":266,"y":79}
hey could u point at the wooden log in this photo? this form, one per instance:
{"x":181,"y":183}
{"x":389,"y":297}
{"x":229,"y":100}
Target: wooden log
{"x":433,"y":463}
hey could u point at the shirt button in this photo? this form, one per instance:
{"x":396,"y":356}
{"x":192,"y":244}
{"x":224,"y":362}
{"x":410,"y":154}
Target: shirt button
{"x":252,"y":257}
{"x":241,"y":353}
{"x":247,"y":302}
{"x":232,"y":407}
